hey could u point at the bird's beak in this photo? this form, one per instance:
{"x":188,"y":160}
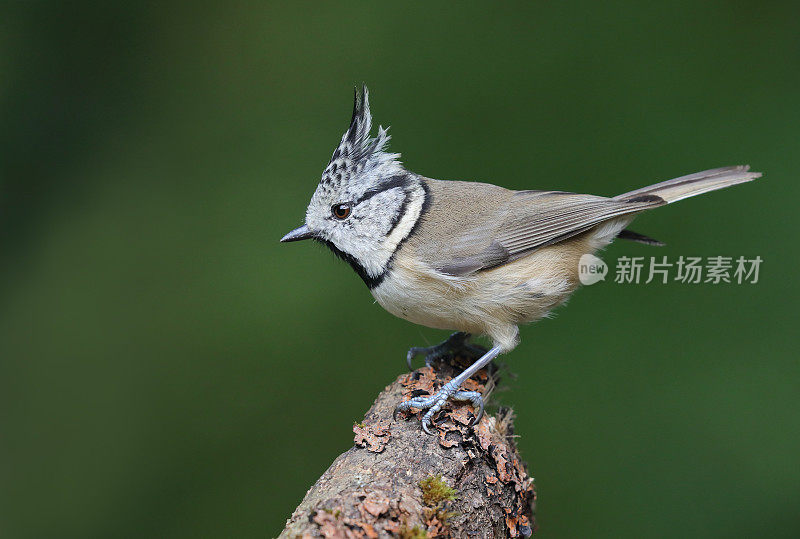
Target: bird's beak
{"x":299,"y":233}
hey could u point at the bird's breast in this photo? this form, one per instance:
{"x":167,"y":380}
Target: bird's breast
{"x":519,"y":292}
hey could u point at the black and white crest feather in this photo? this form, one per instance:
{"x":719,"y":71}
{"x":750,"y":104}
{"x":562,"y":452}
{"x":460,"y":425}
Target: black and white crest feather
{"x":357,"y":153}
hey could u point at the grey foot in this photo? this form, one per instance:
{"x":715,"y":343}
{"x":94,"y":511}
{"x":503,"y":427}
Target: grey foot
{"x":434,"y":403}
{"x":456,"y":344}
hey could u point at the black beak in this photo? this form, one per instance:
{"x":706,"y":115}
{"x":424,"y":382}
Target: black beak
{"x":299,"y":233}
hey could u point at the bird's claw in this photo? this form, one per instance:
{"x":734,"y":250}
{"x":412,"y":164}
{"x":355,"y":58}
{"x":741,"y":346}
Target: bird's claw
{"x":434,"y":403}
{"x":412,"y":353}
{"x":457,"y":343}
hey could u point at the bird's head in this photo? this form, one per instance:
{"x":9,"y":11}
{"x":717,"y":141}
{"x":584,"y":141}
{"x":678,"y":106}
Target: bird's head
{"x":366,"y":203}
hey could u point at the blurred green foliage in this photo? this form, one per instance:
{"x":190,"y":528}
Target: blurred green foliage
{"x":167,"y":369}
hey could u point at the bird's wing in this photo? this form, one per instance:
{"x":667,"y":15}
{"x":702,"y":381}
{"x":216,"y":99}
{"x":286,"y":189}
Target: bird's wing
{"x":519,"y":222}
{"x":536,"y":219}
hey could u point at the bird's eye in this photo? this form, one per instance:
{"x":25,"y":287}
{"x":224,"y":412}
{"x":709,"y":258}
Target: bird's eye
{"x":341,"y":211}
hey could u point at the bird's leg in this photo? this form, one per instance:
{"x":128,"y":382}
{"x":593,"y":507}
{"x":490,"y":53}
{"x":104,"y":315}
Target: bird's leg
{"x":456,"y":344}
{"x":450,"y":391}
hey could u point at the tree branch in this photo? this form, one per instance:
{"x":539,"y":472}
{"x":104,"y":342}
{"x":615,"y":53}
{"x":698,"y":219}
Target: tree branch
{"x":398,"y":481}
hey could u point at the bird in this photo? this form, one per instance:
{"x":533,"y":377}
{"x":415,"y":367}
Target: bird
{"x":466,"y":256}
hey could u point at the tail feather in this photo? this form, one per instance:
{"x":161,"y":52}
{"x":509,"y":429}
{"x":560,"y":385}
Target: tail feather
{"x":630,"y":235}
{"x":694,"y":184}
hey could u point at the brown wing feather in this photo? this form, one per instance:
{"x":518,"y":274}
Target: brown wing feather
{"x":546,"y":219}
{"x":477,"y":226}
{"x":511,"y":224}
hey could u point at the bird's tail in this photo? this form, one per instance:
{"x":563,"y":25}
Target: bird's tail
{"x":693,"y":184}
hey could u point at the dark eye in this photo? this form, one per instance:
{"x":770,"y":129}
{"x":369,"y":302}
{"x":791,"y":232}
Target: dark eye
{"x":341,"y":211}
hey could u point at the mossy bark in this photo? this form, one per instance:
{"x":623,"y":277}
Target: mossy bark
{"x":390,"y":483}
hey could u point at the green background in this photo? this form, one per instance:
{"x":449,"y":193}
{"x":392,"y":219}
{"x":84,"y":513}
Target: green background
{"x":168,"y":369}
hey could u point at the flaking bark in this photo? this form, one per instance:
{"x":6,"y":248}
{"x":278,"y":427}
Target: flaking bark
{"x":374,"y":488}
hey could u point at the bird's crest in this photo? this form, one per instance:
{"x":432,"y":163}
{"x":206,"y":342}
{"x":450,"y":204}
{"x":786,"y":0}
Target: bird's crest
{"x":357,"y":153}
